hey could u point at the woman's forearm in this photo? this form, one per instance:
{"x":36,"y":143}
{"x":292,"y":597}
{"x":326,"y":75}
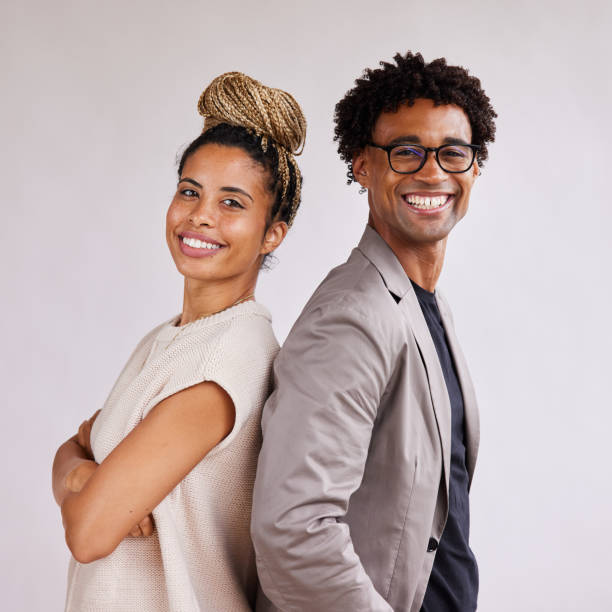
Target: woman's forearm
{"x":135,"y":476}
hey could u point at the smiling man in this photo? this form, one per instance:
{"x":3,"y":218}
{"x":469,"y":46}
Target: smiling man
{"x":370,"y":437}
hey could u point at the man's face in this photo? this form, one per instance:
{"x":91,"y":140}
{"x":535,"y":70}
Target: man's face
{"x":400,"y":210}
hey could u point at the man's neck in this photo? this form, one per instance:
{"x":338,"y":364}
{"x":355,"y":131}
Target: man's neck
{"x":422,"y":262}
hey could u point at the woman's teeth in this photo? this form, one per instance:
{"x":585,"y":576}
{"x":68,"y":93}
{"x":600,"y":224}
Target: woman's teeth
{"x":425,"y":202}
{"x":198,"y":244}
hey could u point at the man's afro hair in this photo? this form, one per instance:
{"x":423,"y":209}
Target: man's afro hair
{"x":385,"y":88}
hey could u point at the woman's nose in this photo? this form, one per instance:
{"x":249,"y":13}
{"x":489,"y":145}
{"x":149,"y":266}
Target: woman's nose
{"x":202,"y":214}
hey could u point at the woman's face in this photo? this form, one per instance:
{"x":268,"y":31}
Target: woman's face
{"x":216,"y":222}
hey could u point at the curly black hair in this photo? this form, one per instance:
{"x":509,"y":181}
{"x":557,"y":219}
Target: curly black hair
{"x":384,"y":89}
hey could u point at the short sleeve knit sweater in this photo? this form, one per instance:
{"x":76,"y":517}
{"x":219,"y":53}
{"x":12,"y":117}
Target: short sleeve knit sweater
{"x":200,"y":556}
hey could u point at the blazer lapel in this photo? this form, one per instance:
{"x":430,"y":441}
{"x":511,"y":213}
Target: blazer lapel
{"x":397,"y":282}
{"x":470,"y":405}
{"x":435,"y":376}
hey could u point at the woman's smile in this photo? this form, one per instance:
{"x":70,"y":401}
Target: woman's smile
{"x":193,"y":244}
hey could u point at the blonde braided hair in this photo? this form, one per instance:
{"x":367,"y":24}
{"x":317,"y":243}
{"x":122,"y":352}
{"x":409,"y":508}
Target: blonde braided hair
{"x":271,"y":114}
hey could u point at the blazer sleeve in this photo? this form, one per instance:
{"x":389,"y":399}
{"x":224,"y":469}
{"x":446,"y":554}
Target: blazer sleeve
{"x":317,"y":425}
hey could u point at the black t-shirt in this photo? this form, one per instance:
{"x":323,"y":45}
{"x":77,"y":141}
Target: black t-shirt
{"x":453,"y":584}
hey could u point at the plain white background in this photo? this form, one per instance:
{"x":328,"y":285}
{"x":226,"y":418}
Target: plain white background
{"x":98,"y":98}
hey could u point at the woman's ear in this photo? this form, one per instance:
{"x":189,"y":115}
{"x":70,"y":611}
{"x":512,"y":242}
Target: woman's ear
{"x":274,"y":235}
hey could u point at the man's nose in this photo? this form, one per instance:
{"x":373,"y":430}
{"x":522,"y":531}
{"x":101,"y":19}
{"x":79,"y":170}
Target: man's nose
{"x":431,"y":171}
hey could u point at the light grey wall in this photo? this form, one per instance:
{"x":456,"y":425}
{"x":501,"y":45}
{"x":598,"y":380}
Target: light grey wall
{"x":97,"y":99}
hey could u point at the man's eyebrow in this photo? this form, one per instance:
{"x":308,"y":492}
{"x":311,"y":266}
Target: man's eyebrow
{"x":455,"y":141}
{"x":237,"y":190}
{"x":411,"y":138}
{"x":414,"y":139}
{"x":189,"y":180}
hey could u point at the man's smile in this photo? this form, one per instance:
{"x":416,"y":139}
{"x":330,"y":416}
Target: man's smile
{"x":428,"y":202}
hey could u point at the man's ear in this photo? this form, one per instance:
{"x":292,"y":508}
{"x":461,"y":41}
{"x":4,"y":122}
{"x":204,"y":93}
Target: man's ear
{"x":475,"y":167}
{"x":360,"y":169}
{"x":274,"y":235}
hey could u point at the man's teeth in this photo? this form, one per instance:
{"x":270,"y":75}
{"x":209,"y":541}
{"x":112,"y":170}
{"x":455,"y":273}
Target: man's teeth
{"x":198,"y":244}
{"x":425,"y":202}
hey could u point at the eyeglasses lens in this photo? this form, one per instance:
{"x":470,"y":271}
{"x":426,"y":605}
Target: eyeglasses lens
{"x":406,"y":159}
{"x":452,"y":158}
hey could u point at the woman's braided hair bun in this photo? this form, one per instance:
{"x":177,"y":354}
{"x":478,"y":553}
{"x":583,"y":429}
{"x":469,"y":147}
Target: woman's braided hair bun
{"x":238,"y":99}
{"x":272,"y":114}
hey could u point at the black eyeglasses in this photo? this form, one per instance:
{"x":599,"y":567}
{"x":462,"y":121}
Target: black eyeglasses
{"x":410,"y":158}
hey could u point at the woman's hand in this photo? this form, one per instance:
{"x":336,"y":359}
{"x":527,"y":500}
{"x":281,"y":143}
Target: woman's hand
{"x":84,"y":434}
{"x":76,"y":479}
{"x":144,"y":528}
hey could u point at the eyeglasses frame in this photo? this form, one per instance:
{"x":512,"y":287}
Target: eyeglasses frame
{"x":389,"y":148}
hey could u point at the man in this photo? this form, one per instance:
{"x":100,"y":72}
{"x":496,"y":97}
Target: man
{"x":371,"y":435}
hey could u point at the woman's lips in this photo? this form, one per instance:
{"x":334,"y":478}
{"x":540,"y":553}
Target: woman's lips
{"x":194,"y":247}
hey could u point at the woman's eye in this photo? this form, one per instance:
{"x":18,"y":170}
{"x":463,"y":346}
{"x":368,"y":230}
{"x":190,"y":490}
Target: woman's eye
{"x":232,"y":203}
{"x":190,"y":193}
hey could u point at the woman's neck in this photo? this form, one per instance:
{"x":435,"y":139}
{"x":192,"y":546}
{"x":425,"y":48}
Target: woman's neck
{"x":202,"y":299}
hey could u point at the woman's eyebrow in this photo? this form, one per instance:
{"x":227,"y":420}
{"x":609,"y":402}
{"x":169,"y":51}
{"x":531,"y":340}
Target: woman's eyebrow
{"x":189,"y":180}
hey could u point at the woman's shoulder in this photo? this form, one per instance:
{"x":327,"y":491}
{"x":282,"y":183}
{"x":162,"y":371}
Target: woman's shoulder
{"x":247,"y":340}
{"x":240,"y":349}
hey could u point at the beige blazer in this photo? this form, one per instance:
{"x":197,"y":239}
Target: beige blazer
{"x":352,"y":480}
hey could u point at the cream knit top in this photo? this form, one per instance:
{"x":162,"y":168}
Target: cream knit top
{"x":200,"y":556}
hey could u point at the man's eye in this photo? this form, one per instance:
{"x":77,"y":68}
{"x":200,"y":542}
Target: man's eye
{"x":232,"y":203}
{"x":455,"y":152}
{"x":407,"y":152}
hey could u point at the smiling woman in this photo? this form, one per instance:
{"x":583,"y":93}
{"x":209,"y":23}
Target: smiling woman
{"x":222,"y":210}
{"x":155,"y":488}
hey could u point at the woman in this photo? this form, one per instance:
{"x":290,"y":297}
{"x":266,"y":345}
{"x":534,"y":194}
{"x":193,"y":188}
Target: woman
{"x":155,"y":490}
